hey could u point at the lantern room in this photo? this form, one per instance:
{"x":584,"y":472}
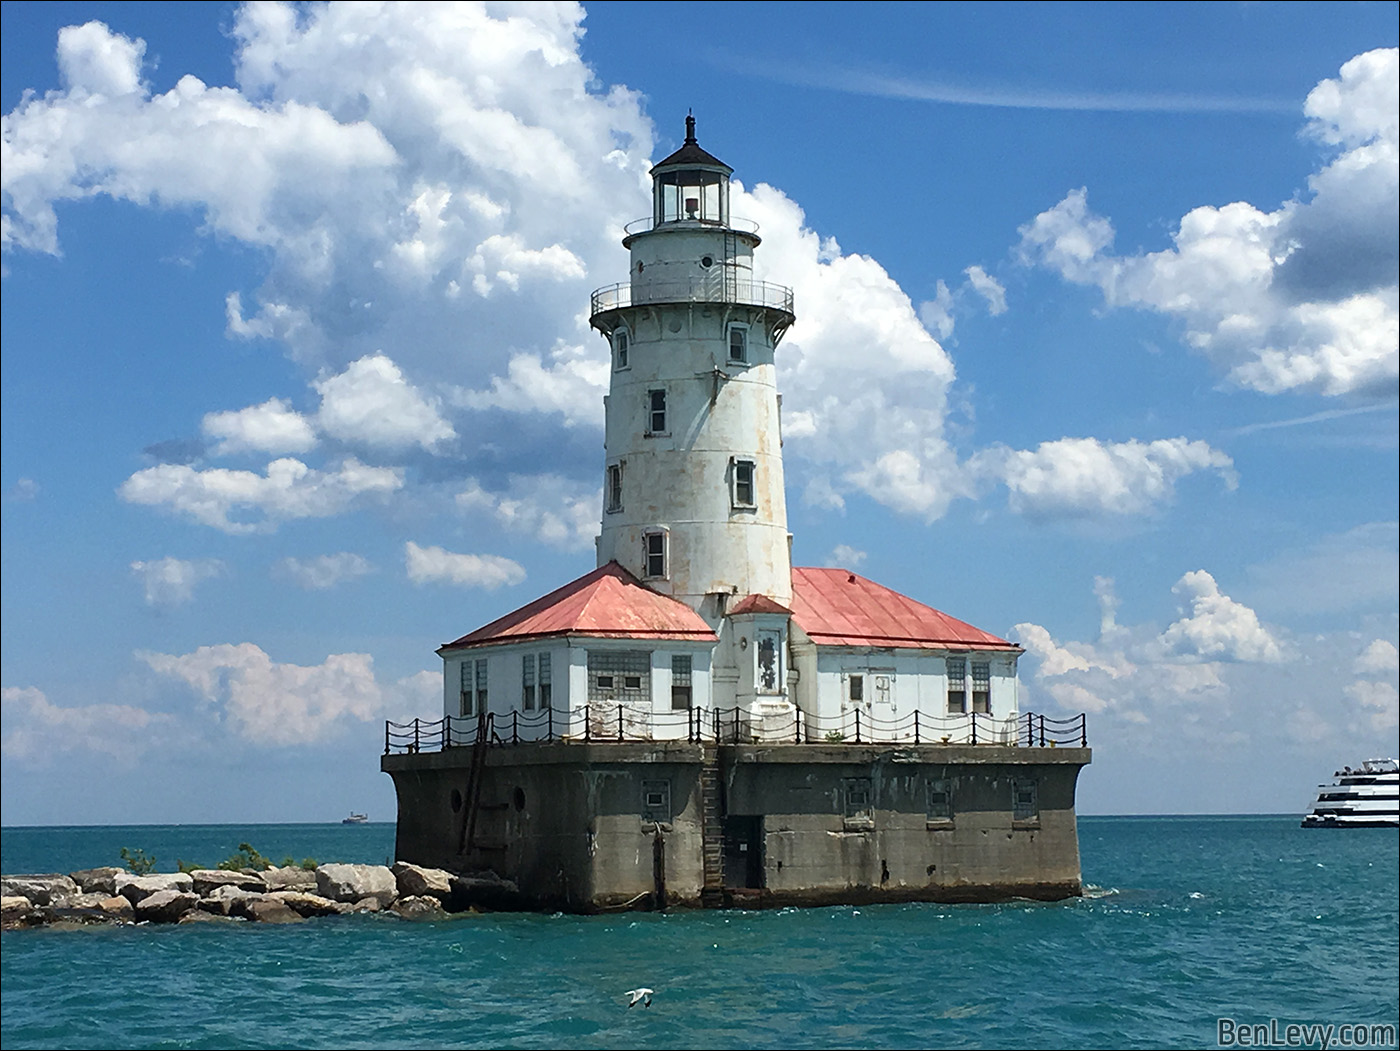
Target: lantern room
{"x":691,"y":185}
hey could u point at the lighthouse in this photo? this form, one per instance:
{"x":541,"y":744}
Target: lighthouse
{"x":694,"y":500}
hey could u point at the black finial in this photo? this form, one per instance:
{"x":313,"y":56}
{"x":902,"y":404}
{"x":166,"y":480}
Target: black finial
{"x":689,"y":127}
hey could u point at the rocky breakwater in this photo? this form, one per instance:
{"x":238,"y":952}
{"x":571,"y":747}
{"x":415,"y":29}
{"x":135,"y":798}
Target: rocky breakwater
{"x":272,"y":895}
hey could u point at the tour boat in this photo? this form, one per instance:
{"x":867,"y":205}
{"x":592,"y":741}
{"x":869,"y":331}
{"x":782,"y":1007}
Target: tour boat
{"x":355,"y":819}
{"x":1365,"y":798}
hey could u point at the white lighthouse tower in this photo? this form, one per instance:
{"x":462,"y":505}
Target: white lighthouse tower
{"x":693,"y":490}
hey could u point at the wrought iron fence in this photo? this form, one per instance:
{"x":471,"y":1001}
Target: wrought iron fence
{"x":621,"y":723}
{"x":719,"y":289}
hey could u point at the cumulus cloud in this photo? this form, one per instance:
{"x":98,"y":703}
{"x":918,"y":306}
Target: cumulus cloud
{"x":1380,"y":701}
{"x":323,"y":571}
{"x":371,"y":403}
{"x":989,"y":288}
{"x":171,"y":581}
{"x":427,"y":565}
{"x":272,"y":427}
{"x":1082,"y":477}
{"x":1303,"y":298}
{"x":246,"y":502}
{"x":571,"y":384}
{"x":1379,"y":658}
{"x":35,"y":727}
{"x":549,"y":508}
{"x":272,"y":703}
{"x":1217,"y":627}
{"x":94,"y":61}
{"x":843,"y":556}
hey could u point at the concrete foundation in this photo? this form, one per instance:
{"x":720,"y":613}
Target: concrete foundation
{"x":587,"y":827}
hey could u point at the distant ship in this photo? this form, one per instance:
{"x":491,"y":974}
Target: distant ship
{"x":1364,"y":798}
{"x":355,"y":819}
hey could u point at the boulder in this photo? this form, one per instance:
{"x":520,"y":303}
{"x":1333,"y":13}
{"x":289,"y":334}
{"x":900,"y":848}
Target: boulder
{"x":48,"y":889}
{"x":87,"y":901}
{"x":289,"y":878}
{"x":484,"y":890}
{"x":200,"y":916}
{"x":206,"y":881}
{"x":221,"y":899}
{"x":304,"y":904}
{"x":265,"y":910}
{"x":117,"y":907}
{"x":135,"y":888}
{"x":420,"y":907}
{"x":165,"y":906}
{"x":97,"y":881}
{"x":367,"y":905}
{"x":15,"y":911}
{"x":353,"y":883}
{"x":416,"y":881}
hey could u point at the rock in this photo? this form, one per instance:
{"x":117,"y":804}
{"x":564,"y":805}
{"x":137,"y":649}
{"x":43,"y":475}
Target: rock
{"x":484,"y":890}
{"x":165,"y":906}
{"x":66,"y":918}
{"x":416,"y":881}
{"x":305,"y":904}
{"x":370,"y":904}
{"x":290,"y":878}
{"x":135,"y":888}
{"x":353,"y":883}
{"x":97,"y":881}
{"x":206,"y":881}
{"x":48,"y":889}
{"x":265,"y":910}
{"x":221,"y":899}
{"x":420,"y":907}
{"x":200,"y":916}
{"x":117,"y":907}
{"x":15,"y":911}
{"x":87,"y":901}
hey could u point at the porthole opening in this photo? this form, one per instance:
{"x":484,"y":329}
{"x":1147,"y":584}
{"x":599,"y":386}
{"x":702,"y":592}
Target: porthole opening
{"x":519,"y":798}
{"x":456,"y":801}
{"x":707,"y":261}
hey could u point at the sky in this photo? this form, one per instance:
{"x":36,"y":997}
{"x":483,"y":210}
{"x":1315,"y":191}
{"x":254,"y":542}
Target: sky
{"x":1096,"y":349}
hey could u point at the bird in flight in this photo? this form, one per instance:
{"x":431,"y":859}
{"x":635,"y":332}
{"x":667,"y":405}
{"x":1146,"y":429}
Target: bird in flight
{"x":639,"y":996}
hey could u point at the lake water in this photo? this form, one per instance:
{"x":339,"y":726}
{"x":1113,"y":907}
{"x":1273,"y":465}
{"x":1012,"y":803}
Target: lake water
{"x":1186,"y":921}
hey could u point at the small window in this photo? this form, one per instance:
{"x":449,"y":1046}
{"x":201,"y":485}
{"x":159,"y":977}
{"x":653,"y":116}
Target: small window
{"x":738,"y":343}
{"x":857,"y":687}
{"x":770,"y":664}
{"x":743,"y":493}
{"x":938,"y":797}
{"x":527,"y":682}
{"x":481,"y":685}
{"x":631,"y":682}
{"x":1025,"y":806}
{"x":957,"y":684}
{"x":656,"y":802}
{"x":467,"y":683}
{"x":614,"y":498}
{"x":681,"y":693}
{"x":473,"y":687}
{"x":621,"y":348}
{"x":545,"y":683}
{"x":656,"y":412}
{"x":654,"y":549}
{"x":605,"y":682}
{"x":981,"y":687}
{"x":857,"y":799}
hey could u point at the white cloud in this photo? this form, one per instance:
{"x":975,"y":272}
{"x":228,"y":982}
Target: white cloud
{"x":571,"y":385}
{"x":93,"y":60}
{"x":171,"y":581}
{"x":937,"y":313}
{"x":245,"y":502}
{"x":1301,"y":298}
{"x":989,"y":288}
{"x":272,"y":427}
{"x":843,"y":556}
{"x":25,"y":490}
{"x":426,"y":565}
{"x":1217,"y":627}
{"x":371,"y":403}
{"x":324,"y":571}
{"x":1379,"y":658}
{"x":1380,"y":703}
{"x":35,"y":727}
{"x":1084,"y":477}
{"x":547,"y":507}
{"x":285,"y":704}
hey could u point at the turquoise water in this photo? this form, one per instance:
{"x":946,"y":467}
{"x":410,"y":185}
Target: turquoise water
{"x":1189,"y":919}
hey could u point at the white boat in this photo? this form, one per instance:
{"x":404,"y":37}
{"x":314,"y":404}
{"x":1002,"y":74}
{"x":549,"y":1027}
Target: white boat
{"x":1365,"y":798}
{"x":355,"y":819}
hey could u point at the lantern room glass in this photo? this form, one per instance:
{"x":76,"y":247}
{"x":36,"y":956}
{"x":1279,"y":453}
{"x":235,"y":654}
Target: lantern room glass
{"x":692,"y":196}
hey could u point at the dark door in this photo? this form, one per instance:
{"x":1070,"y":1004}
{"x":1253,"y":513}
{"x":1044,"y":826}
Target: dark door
{"x":743,"y":851}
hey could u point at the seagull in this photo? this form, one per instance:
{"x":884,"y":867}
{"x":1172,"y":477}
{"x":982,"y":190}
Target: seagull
{"x":639,"y":996}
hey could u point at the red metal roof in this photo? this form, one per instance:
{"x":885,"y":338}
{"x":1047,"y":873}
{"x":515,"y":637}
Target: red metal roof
{"x":836,"y":607}
{"x":606,"y":603}
{"x":757,"y":604}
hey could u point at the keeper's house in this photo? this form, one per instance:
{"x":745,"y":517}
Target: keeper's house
{"x":696,"y":721}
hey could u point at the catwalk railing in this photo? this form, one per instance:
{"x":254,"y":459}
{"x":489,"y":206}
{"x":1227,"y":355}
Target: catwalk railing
{"x":620,"y":723}
{"x":722,"y":287}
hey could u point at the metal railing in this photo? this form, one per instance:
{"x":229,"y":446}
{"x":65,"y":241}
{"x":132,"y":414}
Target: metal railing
{"x":621,"y":723}
{"x":650,"y":222}
{"x":717,"y":290}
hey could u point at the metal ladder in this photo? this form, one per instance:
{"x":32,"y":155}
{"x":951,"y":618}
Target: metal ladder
{"x":712,"y":840}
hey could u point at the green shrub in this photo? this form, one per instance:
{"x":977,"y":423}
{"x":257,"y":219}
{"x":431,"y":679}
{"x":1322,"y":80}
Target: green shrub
{"x":835,"y":736}
{"x":137,"y":862}
{"x":188,"y":866}
{"x":246,"y":858}
{"x":308,"y":864}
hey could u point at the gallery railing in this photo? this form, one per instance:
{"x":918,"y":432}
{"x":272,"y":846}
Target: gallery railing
{"x":621,"y":723}
{"x":723,"y":287}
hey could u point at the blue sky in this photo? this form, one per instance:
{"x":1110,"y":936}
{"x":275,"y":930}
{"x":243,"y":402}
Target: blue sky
{"x":1096,"y":349}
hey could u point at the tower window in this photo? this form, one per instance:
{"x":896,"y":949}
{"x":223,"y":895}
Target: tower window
{"x":857,"y":683}
{"x":473,"y":687}
{"x":770,"y":661}
{"x":681,"y":695}
{"x":981,"y":687}
{"x":621,"y":346}
{"x":738,"y":343}
{"x":527,"y":682}
{"x":656,"y":412}
{"x":614,"y":488}
{"x":654,"y":550}
{"x":742,"y":494}
{"x":957,"y":684}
